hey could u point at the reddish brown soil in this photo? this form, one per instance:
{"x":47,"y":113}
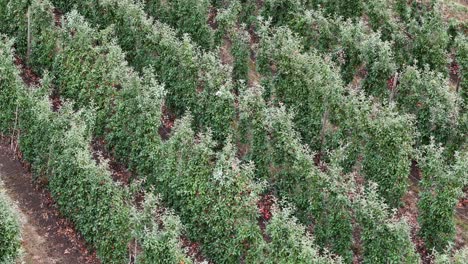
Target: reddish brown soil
{"x":455,"y":74}
{"x":193,"y":250}
{"x":322,"y":166}
{"x":462,"y":221}
{"x":264,"y":206}
{"x":225,"y":52}
{"x":410,"y":212}
{"x":47,"y":236}
{"x":55,"y":100}
{"x":212,"y":18}
{"x":29,"y":77}
{"x":357,"y":243}
{"x":58,"y":17}
{"x":121,"y":174}
{"x":118,"y":170}
{"x":254,"y":76}
{"x":455,"y":9}
{"x":167,"y":123}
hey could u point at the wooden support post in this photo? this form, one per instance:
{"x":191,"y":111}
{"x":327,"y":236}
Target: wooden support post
{"x":28,"y":52}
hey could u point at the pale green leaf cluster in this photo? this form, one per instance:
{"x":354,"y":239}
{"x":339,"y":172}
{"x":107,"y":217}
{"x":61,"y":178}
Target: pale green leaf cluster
{"x":10,"y":230}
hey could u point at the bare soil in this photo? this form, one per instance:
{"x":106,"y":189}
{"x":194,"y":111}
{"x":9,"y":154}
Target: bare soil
{"x":30,"y":78}
{"x":212,"y":18}
{"x":119,"y":171}
{"x":455,"y":9}
{"x":193,"y":250}
{"x":225,"y":52}
{"x":47,"y":237}
{"x":58,"y":17}
{"x":410,"y":211}
{"x":264,"y":206}
{"x":167,"y":123}
{"x":461,"y":219}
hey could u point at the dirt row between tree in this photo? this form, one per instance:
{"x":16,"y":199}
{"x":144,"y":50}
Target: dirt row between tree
{"x":47,"y":238}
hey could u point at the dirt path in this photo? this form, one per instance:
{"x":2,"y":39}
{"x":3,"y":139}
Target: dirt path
{"x":47,"y":237}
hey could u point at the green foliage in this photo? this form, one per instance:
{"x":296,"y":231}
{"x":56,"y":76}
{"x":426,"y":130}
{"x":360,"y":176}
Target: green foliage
{"x":151,"y":43}
{"x":178,"y":63}
{"x":318,"y":196}
{"x":252,"y":132}
{"x":68,"y":5}
{"x":56,"y":144}
{"x":227,"y":19}
{"x":194,"y":160}
{"x":378,"y":141}
{"x":205,"y":170}
{"x":351,"y":37}
{"x":293,"y":171}
{"x":83,"y":190}
{"x":86,"y":194}
{"x":13,"y":21}
{"x":10,"y":86}
{"x":307,"y":84}
{"x":217,"y":202}
{"x":317,"y":30}
{"x":241,"y":52}
{"x":132,"y":130}
{"x":385,"y":239}
{"x":231,"y":12}
{"x":402,"y":9}
{"x":345,"y":8}
{"x":332,"y":213}
{"x":81,"y":55}
{"x":351,"y":46}
{"x":281,"y":11}
{"x":248,"y":12}
{"x":402,"y":45}
{"x":158,"y":232}
{"x":430,"y":41}
{"x":38,"y":129}
{"x":427,"y":96}
{"x":85,"y":72}
{"x":215,"y":101}
{"x":99,"y":208}
{"x":461,"y":47}
{"x":187,"y":16}
{"x":380,"y":65}
{"x":441,"y":187}
{"x":381,"y":17}
{"x":10,"y":240}
{"x":229,"y":31}
{"x":43,"y":36}
{"x":456,"y":257}
{"x":219,"y":112}
{"x":288,"y":242}
{"x":232,"y":199}
{"x":387,"y":152}
{"x":354,"y":117}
